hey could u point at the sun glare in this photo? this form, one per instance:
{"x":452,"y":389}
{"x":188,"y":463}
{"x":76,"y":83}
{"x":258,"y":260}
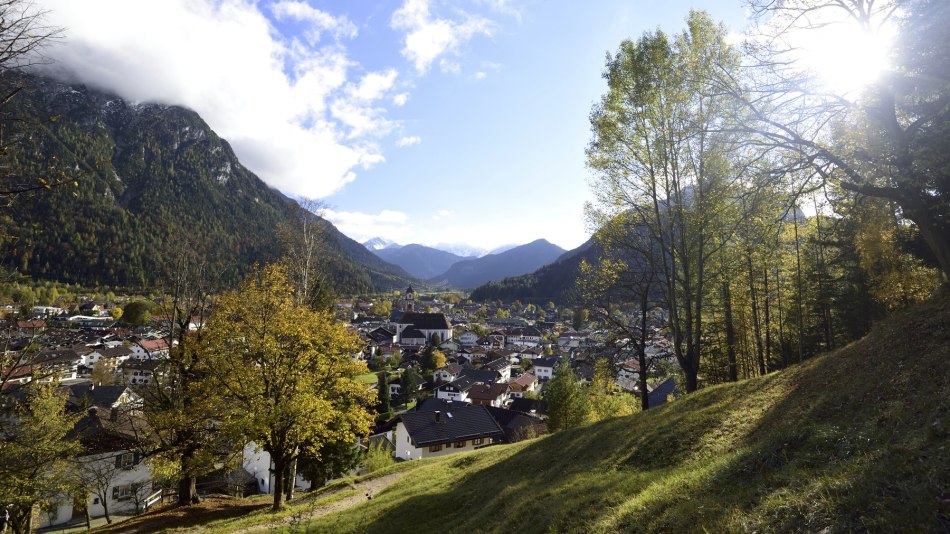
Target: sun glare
{"x":845,"y":57}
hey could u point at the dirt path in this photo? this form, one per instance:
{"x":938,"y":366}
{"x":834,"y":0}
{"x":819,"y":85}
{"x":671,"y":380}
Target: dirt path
{"x":365,"y":490}
{"x":191,"y":518}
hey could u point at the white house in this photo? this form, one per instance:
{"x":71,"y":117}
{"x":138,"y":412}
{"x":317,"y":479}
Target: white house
{"x":468,"y":339}
{"x":456,"y":390}
{"x":258,"y":464}
{"x":437,"y":433}
{"x":150,"y":349}
{"x":528,"y":336}
{"x":111,"y":469}
{"x":543,"y":368}
{"x":448,"y":373}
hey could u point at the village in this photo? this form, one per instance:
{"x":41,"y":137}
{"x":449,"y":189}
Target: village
{"x":450,"y":378}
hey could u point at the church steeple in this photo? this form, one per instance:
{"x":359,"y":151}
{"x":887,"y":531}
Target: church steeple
{"x":409,"y":300}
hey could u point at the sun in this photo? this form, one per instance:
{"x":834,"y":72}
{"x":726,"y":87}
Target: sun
{"x":845,"y":57}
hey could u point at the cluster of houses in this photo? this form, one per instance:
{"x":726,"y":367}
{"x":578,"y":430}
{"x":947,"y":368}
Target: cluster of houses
{"x":489,"y":391}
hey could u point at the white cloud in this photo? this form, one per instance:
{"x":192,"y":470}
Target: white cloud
{"x":442,"y":214}
{"x":503,"y":7}
{"x":320,"y":21}
{"x":401,"y":99}
{"x":428,"y":37}
{"x":298,"y":111}
{"x":388,"y":224}
{"x":449,"y":67}
{"x":409,"y":140}
{"x":480,"y":75}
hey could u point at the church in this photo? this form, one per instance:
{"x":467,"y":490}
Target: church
{"x":417,"y":328}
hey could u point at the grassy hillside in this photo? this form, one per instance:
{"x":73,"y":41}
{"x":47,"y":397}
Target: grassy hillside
{"x":858,"y":439}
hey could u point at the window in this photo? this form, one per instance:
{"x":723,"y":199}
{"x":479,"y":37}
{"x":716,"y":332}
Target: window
{"x":122,"y":493}
{"x":125,"y":460}
{"x":460,"y":444}
{"x":435,"y":448}
{"x":478,"y":441}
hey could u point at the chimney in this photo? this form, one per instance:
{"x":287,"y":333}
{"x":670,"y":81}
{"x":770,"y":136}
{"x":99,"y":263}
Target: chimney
{"x":438,"y":416}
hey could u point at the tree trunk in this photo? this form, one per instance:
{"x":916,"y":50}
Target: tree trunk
{"x":280,"y":473}
{"x":730,"y":332}
{"x":642,"y":352}
{"x":756,"y":329}
{"x":187,"y":491}
{"x":801,"y":321}
{"x":85,"y":509}
{"x":105,"y":508}
{"x":692,"y":379}
{"x":937,"y":239}
{"x":768,"y":320}
{"x":291,"y":479}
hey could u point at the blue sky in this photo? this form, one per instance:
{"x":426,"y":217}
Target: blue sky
{"x":417,"y":121}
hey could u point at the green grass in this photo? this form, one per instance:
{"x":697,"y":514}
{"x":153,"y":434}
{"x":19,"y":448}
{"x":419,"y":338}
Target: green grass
{"x":854,"y":440}
{"x":369,"y":378}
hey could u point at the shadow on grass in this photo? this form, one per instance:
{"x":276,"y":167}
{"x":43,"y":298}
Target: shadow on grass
{"x":854,"y":440}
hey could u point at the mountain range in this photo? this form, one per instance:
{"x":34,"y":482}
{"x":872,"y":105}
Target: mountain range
{"x":446,"y":269}
{"x":554,"y":281}
{"x":140,"y":183}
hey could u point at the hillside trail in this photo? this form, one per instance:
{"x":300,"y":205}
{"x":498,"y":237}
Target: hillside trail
{"x":365,"y":490}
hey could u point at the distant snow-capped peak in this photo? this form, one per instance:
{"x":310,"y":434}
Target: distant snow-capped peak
{"x":378,"y":243}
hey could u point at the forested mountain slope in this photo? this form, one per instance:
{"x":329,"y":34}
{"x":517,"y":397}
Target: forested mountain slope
{"x":140,"y":182}
{"x":553,"y":282}
{"x":853,"y":440}
{"x":470,"y":273}
{"x":419,"y":260}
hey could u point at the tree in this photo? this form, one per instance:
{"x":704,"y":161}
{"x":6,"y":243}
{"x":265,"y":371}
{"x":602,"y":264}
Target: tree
{"x":304,"y":243}
{"x":102,"y":374}
{"x":333,"y":460}
{"x":580,"y":318}
{"x":182,"y":406}
{"x":661,"y":165}
{"x":886,"y":143}
{"x":568,"y":404}
{"x":137,"y":313}
{"x":95,"y":475}
{"x":383,"y":407}
{"x":432,"y":359}
{"x":35,"y":453}
{"x":23,"y":34}
{"x":286,"y":371}
{"x":410,"y":385}
{"x":382,"y":308}
{"x":618,"y":290}
{"x":378,"y":457}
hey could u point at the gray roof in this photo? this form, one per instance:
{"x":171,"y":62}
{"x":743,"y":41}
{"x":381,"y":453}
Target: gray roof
{"x":547,"y":361}
{"x":661,"y":391}
{"x":426,"y":321}
{"x":438,"y":427}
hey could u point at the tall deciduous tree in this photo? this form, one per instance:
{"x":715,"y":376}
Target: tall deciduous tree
{"x":661,"y":161}
{"x":287,"y":371}
{"x":181,"y":407}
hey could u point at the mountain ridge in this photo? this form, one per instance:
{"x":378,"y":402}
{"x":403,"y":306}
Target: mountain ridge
{"x":150,"y":177}
{"x":522,"y":259}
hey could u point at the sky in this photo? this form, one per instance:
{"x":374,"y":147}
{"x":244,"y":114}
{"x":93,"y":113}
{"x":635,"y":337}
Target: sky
{"x":418,"y":121}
